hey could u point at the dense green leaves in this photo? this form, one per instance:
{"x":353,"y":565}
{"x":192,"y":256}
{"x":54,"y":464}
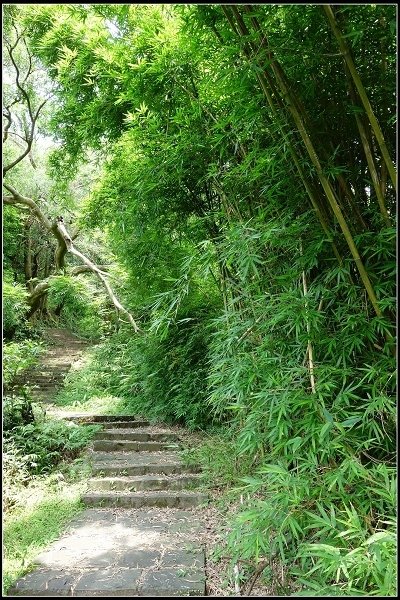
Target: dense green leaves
{"x":254,"y":312}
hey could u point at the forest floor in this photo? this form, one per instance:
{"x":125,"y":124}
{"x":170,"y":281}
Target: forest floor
{"x":66,"y":351}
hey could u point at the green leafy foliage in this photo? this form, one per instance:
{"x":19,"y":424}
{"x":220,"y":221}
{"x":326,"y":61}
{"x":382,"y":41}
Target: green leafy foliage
{"x":18,"y":356}
{"x":72,"y":299}
{"x":254,"y":315}
{"x":173,"y":392}
{"x":17,"y":410}
{"x":44,"y":443}
{"x":14,"y":308}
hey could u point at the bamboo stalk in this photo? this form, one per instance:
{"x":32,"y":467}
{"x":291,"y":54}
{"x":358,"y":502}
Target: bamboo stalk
{"x":309,"y":345}
{"x":369,"y":155}
{"x":264,"y":82}
{"x":236,"y":575}
{"x":345,"y":50}
{"x":351,"y":200}
{"x":277,"y":70}
{"x":236,"y":572}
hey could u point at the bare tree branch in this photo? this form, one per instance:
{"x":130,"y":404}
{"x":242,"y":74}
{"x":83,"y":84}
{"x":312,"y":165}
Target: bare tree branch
{"x":17,"y":198}
{"x":33,"y":115}
{"x":29,"y":141}
{"x":85,"y":269}
{"x":68,"y":241}
{"x":43,"y":286}
{"x":6,"y":115}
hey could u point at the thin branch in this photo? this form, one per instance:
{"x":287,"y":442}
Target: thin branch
{"x":33,"y":115}
{"x":17,"y":81}
{"x":256,"y":575}
{"x":71,"y":248}
{"x":29,"y":141}
{"x":18,"y":136}
{"x":30,"y":70}
{"x":7,"y":116}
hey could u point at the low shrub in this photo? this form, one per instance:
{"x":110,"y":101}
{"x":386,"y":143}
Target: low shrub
{"x":15,"y":308}
{"x":19,"y":356}
{"x":16,"y":472}
{"x":48,"y":442}
{"x":17,"y":411}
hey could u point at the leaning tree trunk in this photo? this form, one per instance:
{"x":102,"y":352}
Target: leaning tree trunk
{"x":65,"y":245}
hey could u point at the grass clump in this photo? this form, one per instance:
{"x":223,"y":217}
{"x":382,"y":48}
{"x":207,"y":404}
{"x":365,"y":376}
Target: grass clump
{"x":85,"y":387}
{"x":44,"y":508}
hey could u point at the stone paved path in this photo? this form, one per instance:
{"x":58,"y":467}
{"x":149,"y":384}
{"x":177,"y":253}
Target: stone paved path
{"x":63,"y":350}
{"x":141,"y":536}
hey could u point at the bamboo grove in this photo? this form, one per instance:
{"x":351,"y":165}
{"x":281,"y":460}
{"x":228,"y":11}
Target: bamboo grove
{"x":247,"y":187}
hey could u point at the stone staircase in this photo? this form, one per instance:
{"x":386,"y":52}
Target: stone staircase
{"x":139,"y":535}
{"x":44,"y":379}
{"x":138,"y":467}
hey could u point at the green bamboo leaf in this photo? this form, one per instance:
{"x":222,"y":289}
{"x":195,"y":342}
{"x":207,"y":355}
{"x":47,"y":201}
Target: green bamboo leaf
{"x":380,"y":536}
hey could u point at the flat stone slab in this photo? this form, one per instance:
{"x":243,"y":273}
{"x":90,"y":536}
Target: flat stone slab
{"x":110,"y":582}
{"x":135,"y":435}
{"x":121,"y":552}
{"x":128,"y":446}
{"x":119,"y":424}
{"x":105,"y":418}
{"x":133,"y":463}
{"x":170,"y":582}
{"x":134,"y":458}
{"x":159,"y":498}
{"x":137,"y":483}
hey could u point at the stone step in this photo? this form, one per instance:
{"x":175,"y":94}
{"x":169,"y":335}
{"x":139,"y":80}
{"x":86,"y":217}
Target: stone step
{"x":113,"y":582}
{"x":159,"y":499}
{"x":123,"y":424}
{"x":129,"y":446}
{"x":59,"y":369}
{"x":157,"y":469}
{"x":44,"y":383}
{"x":102,"y":418}
{"x":116,"y":421}
{"x":45,"y":376}
{"x":48,"y":370}
{"x":144,"y":482}
{"x":135,"y":436}
{"x":32,"y":383}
